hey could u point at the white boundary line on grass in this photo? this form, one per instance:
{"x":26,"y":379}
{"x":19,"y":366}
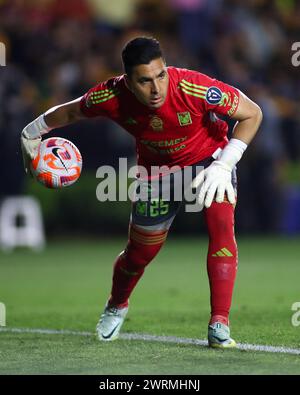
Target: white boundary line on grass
{"x":166,"y":339}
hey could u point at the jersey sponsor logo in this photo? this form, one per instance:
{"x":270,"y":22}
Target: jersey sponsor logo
{"x":155,"y":146}
{"x":214,"y":95}
{"x":156,"y":123}
{"x":163,"y":143}
{"x":166,"y":151}
{"x":184,"y":118}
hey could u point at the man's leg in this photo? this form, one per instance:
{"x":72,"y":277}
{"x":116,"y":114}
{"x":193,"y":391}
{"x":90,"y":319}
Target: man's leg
{"x":142,"y":247}
{"x":222,"y":261}
{"x":221,"y":258}
{"x":148,"y":229}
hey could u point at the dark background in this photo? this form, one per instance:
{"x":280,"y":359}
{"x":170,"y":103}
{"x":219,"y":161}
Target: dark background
{"x":57,"y":50}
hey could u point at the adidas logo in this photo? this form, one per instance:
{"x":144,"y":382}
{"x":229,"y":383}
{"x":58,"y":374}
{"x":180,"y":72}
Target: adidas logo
{"x":222,"y":252}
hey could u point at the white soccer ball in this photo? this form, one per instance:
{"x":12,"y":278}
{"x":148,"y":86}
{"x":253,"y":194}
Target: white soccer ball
{"x":58,"y":163}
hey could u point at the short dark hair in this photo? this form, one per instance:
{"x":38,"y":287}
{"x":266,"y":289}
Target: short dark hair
{"x":140,"y":50}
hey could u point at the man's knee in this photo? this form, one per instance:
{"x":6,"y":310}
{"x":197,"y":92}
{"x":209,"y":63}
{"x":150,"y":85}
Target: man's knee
{"x":143,"y":246}
{"x":220,"y":216}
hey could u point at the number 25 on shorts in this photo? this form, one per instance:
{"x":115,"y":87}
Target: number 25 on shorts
{"x":158,"y":207}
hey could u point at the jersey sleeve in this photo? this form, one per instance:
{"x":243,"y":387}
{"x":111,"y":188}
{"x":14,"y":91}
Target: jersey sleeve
{"x":99,"y":100}
{"x":208,"y":94}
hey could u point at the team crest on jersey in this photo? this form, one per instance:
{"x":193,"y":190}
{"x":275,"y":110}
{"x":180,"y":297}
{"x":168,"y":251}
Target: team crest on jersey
{"x":156,"y":123}
{"x":213,"y":95}
{"x":184,"y":118}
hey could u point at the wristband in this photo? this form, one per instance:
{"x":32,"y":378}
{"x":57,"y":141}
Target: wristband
{"x":233,"y":152}
{"x":36,"y":128}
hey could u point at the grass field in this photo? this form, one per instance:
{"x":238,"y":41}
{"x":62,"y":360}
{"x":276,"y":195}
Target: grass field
{"x":66,"y":286}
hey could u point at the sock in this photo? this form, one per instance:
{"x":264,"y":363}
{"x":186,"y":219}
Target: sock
{"x":130,"y":265}
{"x":222,"y":259}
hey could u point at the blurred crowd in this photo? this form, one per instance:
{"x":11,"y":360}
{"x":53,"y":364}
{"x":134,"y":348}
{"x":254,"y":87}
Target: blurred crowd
{"x":58,"y":49}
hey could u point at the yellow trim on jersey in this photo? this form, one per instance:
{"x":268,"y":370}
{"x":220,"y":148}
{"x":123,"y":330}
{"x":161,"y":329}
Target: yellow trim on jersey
{"x":103,"y":92}
{"x":201,"y":87}
{"x":103,"y":95}
{"x":192,"y":94}
{"x":193,"y":89}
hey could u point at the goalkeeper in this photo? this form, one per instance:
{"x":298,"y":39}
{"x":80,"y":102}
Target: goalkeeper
{"x":171,"y":112}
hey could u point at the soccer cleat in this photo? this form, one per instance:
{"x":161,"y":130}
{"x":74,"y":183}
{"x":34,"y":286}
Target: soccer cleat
{"x":110,"y":323}
{"x":219,"y":336}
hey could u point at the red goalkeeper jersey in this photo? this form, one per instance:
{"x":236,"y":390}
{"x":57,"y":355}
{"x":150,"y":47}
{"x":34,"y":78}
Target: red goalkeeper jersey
{"x":183,"y":131}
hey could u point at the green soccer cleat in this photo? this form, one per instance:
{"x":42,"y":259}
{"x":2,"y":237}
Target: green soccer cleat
{"x":219,"y":336}
{"x":110,"y":323}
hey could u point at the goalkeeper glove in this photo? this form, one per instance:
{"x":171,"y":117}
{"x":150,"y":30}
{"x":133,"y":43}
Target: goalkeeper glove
{"x":31,"y":138}
{"x":217,"y":177}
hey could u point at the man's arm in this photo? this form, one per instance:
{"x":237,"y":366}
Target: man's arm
{"x":55,"y":117}
{"x":64,"y":114}
{"x":249,"y":117}
{"x":217,"y":177}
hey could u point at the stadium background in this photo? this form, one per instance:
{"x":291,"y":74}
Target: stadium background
{"x":56,"y":50}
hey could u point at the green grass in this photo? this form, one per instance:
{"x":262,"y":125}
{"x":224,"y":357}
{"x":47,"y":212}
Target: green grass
{"x":66,"y":286}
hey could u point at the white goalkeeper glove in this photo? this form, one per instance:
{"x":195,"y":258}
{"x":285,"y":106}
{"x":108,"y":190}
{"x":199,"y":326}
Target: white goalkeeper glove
{"x":31,"y":138}
{"x":217,"y":177}
{"x":217,"y":182}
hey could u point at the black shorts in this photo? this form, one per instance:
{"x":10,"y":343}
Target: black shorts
{"x":160,"y":203}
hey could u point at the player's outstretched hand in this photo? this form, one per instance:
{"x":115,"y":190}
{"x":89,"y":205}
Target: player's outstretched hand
{"x":31,"y":138}
{"x":29,"y":150}
{"x":217,"y":182}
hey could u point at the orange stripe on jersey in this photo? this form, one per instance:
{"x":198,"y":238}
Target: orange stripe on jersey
{"x":152,"y":238}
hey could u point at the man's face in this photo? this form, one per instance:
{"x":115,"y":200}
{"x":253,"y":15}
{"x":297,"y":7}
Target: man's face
{"x":149,"y":83}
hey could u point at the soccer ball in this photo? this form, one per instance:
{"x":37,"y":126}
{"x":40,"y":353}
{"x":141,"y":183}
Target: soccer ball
{"x":58,"y":163}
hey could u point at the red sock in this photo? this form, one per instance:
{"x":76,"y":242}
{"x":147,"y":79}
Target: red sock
{"x":130,"y":264}
{"x":221,"y":259}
